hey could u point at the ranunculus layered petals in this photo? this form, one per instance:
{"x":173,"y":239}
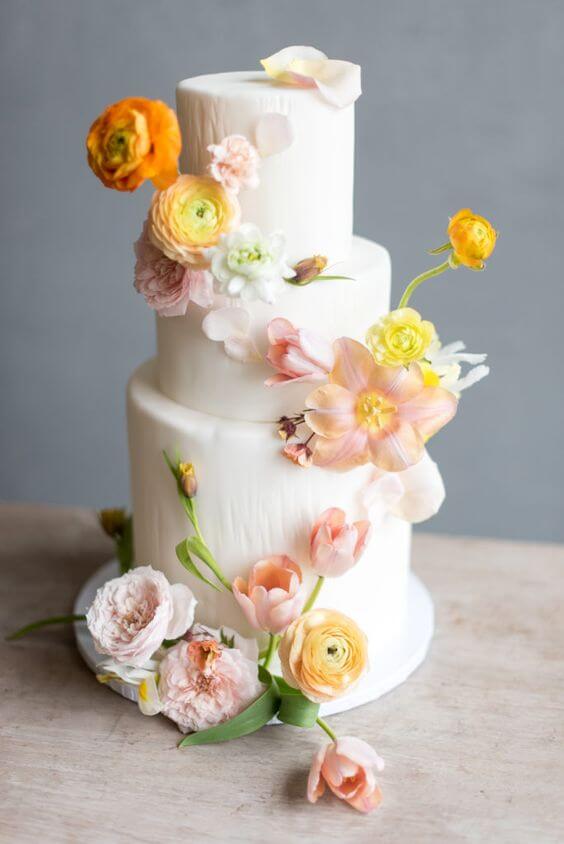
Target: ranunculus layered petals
{"x":274,"y":595}
{"x":347,"y":766}
{"x":429,"y":411}
{"x":331,"y":411}
{"x":396,"y":447}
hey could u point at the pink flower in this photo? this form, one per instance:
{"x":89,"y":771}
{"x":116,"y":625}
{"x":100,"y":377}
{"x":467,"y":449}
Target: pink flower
{"x":335,"y":546}
{"x":372,"y":413}
{"x":299,"y":453}
{"x":203,"y":684}
{"x":274,"y":595}
{"x":234,"y":163}
{"x":132,"y":614}
{"x":167,"y":286}
{"x":347,"y":767}
{"x":298,"y":355}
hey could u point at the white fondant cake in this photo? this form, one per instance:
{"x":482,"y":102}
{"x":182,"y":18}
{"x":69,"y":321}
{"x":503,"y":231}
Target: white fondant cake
{"x":217,"y":413}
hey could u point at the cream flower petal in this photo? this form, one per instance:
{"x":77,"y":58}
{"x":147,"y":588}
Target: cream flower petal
{"x":429,"y":411}
{"x":397,"y":447}
{"x":413,"y":495}
{"x":277,"y":66}
{"x":354,"y":365}
{"x":148,"y":696}
{"x":274,"y":133}
{"x":338,"y":81}
{"x":331,"y":411}
{"x":225,"y":322}
{"x":183,"y":609}
{"x":241,"y":348}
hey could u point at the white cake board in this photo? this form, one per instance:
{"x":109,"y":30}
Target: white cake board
{"x":392,"y":667}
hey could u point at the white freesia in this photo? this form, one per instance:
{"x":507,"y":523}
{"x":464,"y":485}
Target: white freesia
{"x":131,"y":615}
{"x":446,"y":362}
{"x":144,"y":679}
{"x":338,"y":81}
{"x":413,"y":495}
{"x":249,"y":265}
{"x":231,"y":327}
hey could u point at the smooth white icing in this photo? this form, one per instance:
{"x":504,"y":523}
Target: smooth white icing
{"x":252,"y":503}
{"x":196,"y":372}
{"x":306,"y":190}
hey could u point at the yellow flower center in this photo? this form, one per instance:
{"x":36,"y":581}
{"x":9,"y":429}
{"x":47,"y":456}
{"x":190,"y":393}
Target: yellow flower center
{"x":374,"y":411}
{"x":200,"y":217}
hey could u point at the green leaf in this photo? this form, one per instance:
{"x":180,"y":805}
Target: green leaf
{"x":44,"y":622}
{"x":170,"y":464}
{"x":186,"y":560}
{"x":198,"y":547}
{"x":333,"y":278}
{"x":249,"y":721}
{"x":124,"y":547}
{"x":295,"y":708}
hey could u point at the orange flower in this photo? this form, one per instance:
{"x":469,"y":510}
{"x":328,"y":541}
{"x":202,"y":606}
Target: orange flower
{"x":472,"y":238}
{"x":133,"y":140}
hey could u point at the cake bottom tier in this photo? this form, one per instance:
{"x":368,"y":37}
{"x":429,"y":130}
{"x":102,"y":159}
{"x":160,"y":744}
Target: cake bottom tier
{"x":253,"y":503}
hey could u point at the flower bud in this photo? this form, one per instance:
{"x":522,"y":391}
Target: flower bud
{"x":472,"y":238}
{"x":187,"y":479}
{"x":286,"y":427}
{"x":113,"y":521}
{"x":308,"y":269}
{"x":299,"y":453}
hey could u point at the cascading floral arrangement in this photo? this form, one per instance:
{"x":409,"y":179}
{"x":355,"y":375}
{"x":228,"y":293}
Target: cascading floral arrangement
{"x":377,"y":402}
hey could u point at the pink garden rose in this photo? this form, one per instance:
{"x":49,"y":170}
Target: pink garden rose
{"x":335,"y":546}
{"x":131,"y":615}
{"x":347,"y":767}
{"x":203,"y":684}
{"x":168,"y":287}
{"x":234,"y":163}
{"x":297,"y":354}
{"x":274,"y":595}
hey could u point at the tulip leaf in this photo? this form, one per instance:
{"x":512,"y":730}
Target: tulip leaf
{"x":295,"y":708}
{"x":184,"y":557}
{"x":249,"y":721}
{"x":124,"y":546}
{"x":198,"y":547}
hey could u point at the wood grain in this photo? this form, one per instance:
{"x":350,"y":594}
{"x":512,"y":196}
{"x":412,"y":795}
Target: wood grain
{"x":472,"y":742}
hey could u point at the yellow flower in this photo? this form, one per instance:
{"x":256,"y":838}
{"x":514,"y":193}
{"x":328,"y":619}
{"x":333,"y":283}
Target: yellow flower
{"x":189,"y":217}
{"x":472,"y":238}
{"x":188,"y":480}
{"x":113,"y":521}
{"x":400,"y":337}
{"x":323,"y":653}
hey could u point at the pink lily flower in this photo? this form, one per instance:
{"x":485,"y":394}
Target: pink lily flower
{"x":274,"y":596}
{"x":335,"y":546}
{"x":347,"y":767}
{"x":374,"y":414}
{"x":298,"y":355}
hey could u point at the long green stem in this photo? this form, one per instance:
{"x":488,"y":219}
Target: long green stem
{"x":413,"y":285}
{"x":273,"y":643}
{"x":44,"y":622}
{"x":325,"y":726}
{"x":314,"y":593}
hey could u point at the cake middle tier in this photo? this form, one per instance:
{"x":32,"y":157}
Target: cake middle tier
{"x":252,"y":503}
{"x":197,"y":373}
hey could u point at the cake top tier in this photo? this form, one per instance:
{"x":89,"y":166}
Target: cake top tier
{"x":307,"y":154}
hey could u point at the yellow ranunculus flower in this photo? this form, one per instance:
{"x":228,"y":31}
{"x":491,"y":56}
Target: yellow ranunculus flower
{"x":323,"y":653}
{"x":189,"y":217}
{"x":472,"y":238}
{"x":400,"y":337}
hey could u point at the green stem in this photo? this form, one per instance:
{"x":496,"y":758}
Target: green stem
{"x":273,"y":643}
{"x":413,"y":285}
{"x":325,"y":726}
{"x":314,"y":593}
{"x":44,"y":622}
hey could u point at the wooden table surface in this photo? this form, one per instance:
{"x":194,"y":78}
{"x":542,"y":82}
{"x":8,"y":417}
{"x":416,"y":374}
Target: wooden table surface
{"x":472,"y":742}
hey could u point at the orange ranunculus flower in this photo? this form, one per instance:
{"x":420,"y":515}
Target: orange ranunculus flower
{"x":323,"y":653}
{"x":133,"y":140}
{"x":472,"y":238}
{"x":189,"y":217}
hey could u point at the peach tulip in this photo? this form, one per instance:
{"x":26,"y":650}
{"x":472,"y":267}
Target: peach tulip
{"x":374,"y":414}
{"x":274,"y":596}
{"x":347,"y":767}
{"x":336,"y":546}
{"x":298,"y":355}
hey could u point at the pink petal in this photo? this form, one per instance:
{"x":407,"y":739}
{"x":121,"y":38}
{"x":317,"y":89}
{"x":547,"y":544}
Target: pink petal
{"x":226,"y":322}
{"x":242,"y":349}
{"x":368,"y":803}
{"x":359,"y":751}
{"x":278,"y":329}
{"x":432,"y":408}
{"x":333,"y":518}
{"x":332,"y":411}
{"x":239,"y":587}
{"x":398,"y":383}
{"x":274,"y":133}
{"x":396,"y":447}
{"x":338,"y":81}
{"x":364,"y":533}
{"x":315,"y":783}
{"x":342,"y":453}
{"x":317,"y":349}
{"x":354,"y":365}
{"x":201,"y":288}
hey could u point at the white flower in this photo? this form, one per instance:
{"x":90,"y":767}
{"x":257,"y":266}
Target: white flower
{"x":131,"y":615}
{"x":445,"y":362}
{"x":414,"y":495}
{"x":232,"y":327}
{"x":250,"y":265}
{"x":144,"y":679}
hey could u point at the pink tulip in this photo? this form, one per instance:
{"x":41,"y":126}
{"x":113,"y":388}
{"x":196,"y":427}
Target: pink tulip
{"x":347,"y":767}
{"x":335,"y":546}
{"x":369,"y":413}
{"x":274,"y":595}
{"x":298,"y":355}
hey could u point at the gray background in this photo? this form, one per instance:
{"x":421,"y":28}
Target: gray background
{"x":462,"y":106}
